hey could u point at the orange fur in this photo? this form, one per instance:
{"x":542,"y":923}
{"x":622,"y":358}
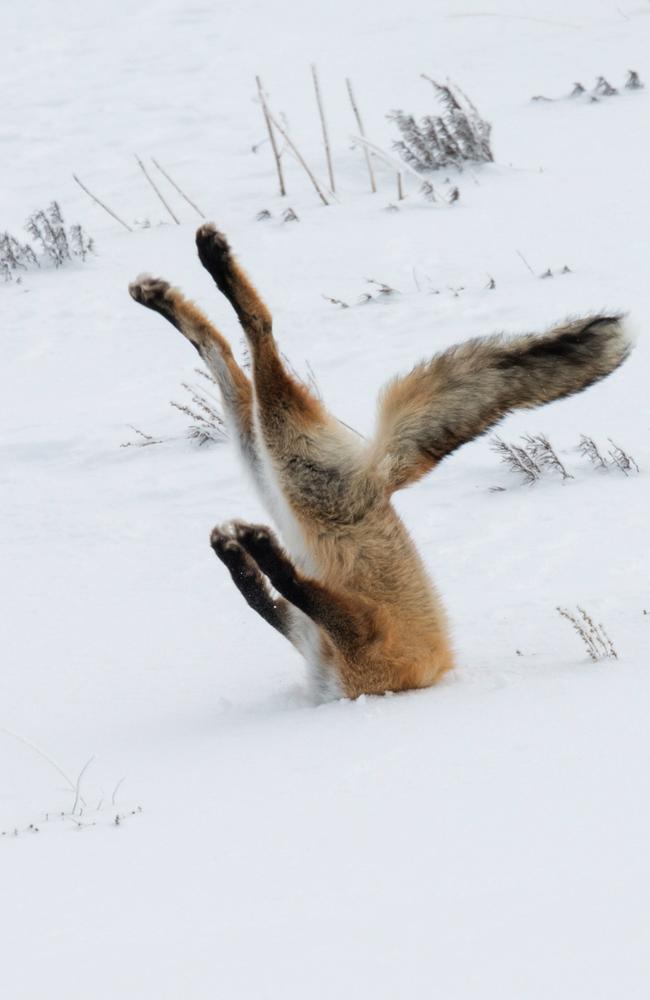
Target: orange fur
{"x":354,"y":595}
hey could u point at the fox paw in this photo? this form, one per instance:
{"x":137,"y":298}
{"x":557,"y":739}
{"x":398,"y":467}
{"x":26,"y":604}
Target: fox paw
{"x":252,"y":536}
{"x":213,"y":247}
{"x":150,"y":292}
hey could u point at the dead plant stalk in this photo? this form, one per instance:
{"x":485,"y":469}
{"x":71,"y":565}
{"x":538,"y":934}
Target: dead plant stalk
{"x":101,"y":204}
{"x":269,"y":126}
{"x":366,"y":153}
{"x":323,"y":122}
{"x":156,"y":189}
{"x":294,"y":149}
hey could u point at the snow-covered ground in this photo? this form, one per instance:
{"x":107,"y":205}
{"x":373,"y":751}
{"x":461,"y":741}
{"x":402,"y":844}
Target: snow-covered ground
{"x":486,"y":838}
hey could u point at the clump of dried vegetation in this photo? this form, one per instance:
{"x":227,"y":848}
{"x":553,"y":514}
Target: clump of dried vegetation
{"x":598,"y":644}
{"x":536,"y":456}
{"x":531,"y":459}
{"x":83,"y":814}
{"x":288,"y":215}
{"x":52,"y":242}
{"x":457,"y":136}
{"x":617,"y":457}
{"x":380,"y":290}
{"x":203,"y":411}
{"x":602,"y":88}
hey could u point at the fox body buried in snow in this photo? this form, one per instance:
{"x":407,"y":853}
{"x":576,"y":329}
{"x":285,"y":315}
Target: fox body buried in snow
{"x":349,"y":590}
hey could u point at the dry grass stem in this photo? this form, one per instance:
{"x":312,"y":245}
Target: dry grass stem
{"x":179,"y":189}
{"x":518,"y":460}
{"x":323,"y":122}
{"x":102,"y":204}
{"x":269,"y":127}
{"x":366,"y":153}
{"x":206,"y":422}
{"x":156,"y":189}
{"x":598,"y":644}
{"x":294,"y":149}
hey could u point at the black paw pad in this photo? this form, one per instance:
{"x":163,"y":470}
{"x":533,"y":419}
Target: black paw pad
{"x":213,"y":247}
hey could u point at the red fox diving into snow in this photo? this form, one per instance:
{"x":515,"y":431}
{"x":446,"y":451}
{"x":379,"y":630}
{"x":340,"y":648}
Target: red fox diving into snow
{"x":350,"y":592}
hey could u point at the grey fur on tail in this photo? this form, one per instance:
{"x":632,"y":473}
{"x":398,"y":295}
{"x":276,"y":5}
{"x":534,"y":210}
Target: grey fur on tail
{"x":462,"y":392}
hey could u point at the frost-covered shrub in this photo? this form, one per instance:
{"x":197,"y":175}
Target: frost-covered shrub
{"x":51,"y":243}
{"x":536,"y":455}
{"x":458,"y":135}
{"x":15,"y":256}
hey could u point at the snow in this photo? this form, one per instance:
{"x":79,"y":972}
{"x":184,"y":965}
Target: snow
{"x":485,"y":838}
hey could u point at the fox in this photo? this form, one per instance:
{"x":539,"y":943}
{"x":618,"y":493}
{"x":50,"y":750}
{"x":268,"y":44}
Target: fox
{"x":347,"y":587}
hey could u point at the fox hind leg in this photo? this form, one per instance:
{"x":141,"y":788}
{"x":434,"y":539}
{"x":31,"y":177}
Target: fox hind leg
{"x":280,"y":397}
{"x":250,"y":582}
{"x":314,"y":461}
{"x":235,"y":387}
{"x":348,"y":620}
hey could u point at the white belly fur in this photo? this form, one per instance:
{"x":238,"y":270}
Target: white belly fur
{"x":323,"y":680}
{"x":278,"y":507}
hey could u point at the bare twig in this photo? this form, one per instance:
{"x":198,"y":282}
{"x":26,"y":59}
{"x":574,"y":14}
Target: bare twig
{"x":398,"y":166}
{"x":101,"y":204}
{"x":180,"y":190}
{"x":156,"y":189}
{"x":382,"y":287}
{"x":274,"y":147}
{"x":147,"y":439}
{"x":77,"y":789}
{"x":366,"y":153}
{"x":116,"y":789}
{"x":521,"y":256}
{"x":326,"y":141}
{"x":312,"y":381}
{"x":336,"y":302}
{"x":41,"y":753}
{"x":292,"y":146}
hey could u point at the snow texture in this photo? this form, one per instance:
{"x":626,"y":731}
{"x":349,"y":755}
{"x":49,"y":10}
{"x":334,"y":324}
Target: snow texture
{"x":487,"y":838}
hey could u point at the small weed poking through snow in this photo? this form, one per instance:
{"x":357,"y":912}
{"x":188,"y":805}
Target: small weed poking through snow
{"x":204,"y":412}
{"x":602,"y":88}
{"x":81,"y":814}
{"x":518,"y":460}
{"x":536,"y":455}
{"x":598,"y":644}
{"x":52,"y":243}
{"x":142,"y":439}
{"x":531,"y":459}
{"x":542,"y":451}
{"x":618,"y":457}
{"x":380,"y":291}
